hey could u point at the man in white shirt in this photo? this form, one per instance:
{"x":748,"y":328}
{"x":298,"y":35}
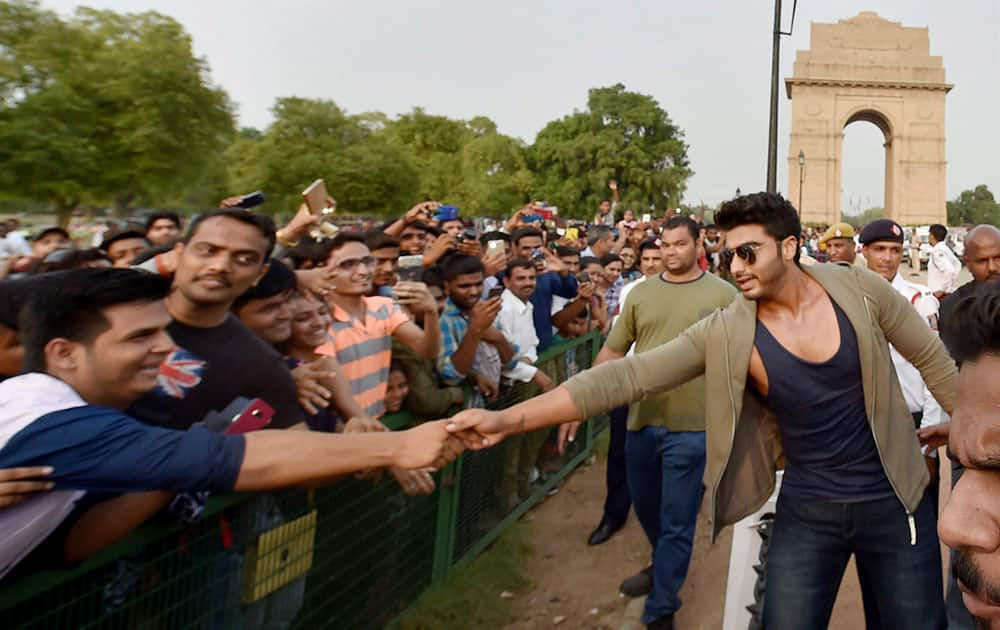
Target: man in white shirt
{"x":942,"y":265}
{"x":883,"y":251}
{"x":516,"y":323}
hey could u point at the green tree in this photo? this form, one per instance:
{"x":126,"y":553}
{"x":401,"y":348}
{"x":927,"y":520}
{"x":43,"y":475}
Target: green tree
{"x":311,"y":139}
{"x":973,"y":207}
{"x":104,"y":107}
{"x":858,"y":221}
{"x":621,"y":135}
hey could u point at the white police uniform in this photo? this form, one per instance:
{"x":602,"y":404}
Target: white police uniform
{"x":918,"y":397}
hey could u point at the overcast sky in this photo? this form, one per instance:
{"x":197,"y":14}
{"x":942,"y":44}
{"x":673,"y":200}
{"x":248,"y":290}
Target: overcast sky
{"x":524,"y":63}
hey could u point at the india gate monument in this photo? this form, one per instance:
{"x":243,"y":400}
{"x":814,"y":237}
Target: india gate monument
{"x":869,"y":69}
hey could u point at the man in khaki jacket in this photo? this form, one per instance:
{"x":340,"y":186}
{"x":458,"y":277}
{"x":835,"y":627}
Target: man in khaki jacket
{"x":797,"y":376}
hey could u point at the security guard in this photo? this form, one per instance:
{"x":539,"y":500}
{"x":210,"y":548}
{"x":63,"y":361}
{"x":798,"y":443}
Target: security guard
{"x":840,"y":247}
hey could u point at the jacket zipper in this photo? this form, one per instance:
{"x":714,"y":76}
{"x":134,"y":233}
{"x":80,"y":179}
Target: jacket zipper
{"x":732,"y":432}
{"x":909,"y":516}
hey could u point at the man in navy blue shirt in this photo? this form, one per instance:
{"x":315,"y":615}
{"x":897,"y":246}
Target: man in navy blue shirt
{"x":94,"y":340}
{"x":554,"y":278}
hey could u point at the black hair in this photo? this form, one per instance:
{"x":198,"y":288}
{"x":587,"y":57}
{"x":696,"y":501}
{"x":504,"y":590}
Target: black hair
{"x":260,"y":221}
{"x":524,"y":232}
{"x":649,"y":243}
{"x":679,"y":220}
{"x":434,"y":231}
{"x":173,"y":217}
{"x":343,"y":238}
{"x":769,"y":210}
{"x":589,"y":260}
{"x":939,"y":232}
{"x":419,"y":225}
{"x":607,"y":259}
{"x":279,"y":278}
{"x":396,"y":366}
{"x":431,"y":276}
{"x":460,"y":265}
{"x":519,"y":263}
{"x":51,"y":230}
{"x":972,"y":327}
{"x":597,"y":233}
{"x":310,"y":250}
{"x":71,"y":305}
{"x":494,"y":236}
{"x":377,"y":239}
{"x":566,"y":250}
{"x":65,"y":259}
{"x":112,"y":237}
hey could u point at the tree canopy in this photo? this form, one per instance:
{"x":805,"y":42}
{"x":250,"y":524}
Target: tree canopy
{"x":103,"y":108}
{"x":973,"y":207}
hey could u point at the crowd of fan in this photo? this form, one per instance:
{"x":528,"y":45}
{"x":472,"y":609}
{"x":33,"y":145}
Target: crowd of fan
{"x":425,"y":314}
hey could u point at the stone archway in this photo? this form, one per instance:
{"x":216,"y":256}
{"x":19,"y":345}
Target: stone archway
{"x":869,"y":69}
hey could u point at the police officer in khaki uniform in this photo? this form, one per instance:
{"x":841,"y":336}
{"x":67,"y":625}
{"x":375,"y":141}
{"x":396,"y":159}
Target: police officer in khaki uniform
{"x":840,"y":247}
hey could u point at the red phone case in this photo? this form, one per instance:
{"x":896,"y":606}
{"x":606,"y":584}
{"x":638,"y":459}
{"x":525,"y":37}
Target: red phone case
{"x":256,"y":416}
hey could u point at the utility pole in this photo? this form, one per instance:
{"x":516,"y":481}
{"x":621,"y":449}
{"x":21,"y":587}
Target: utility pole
{"x":772,"y":138}
{"x":772,"y":133}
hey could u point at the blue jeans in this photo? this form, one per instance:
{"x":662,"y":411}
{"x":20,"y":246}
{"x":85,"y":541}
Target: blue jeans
{"x":811,"y":543}
{"x":665,"y":470}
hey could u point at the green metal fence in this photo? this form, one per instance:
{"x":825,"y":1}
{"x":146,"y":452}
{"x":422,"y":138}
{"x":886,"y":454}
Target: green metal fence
{"x":353,"y":555}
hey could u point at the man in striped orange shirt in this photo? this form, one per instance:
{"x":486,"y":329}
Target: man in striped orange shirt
{"x":363,"y":326}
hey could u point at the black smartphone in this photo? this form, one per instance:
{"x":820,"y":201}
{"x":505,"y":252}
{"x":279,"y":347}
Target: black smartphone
{"x":495,"y":292}
{"x":583,"y":277}
{"x":251,"y":200}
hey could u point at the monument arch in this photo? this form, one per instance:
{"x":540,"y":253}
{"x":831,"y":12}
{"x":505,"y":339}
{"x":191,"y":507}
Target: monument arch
{"x":868,"y":69}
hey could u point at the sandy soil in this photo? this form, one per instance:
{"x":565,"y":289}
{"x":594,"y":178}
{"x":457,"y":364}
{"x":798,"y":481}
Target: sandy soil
{"x":580,"y":583}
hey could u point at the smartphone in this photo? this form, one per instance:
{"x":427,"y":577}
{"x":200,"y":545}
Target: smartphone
{"x":573,"y":233}
{"x":537,"y":254}
{"x":533,"y":218}
{"x":446,"y":213}
{"x":583,"y":277}
{"x":315,"y":197}
{"x":251,"y":200}
{"x":257,"y":415}
{"x":496,"y":246}
{"x":495,"y":292}
{"x":410,"y":268}
{"x":646,"y":218}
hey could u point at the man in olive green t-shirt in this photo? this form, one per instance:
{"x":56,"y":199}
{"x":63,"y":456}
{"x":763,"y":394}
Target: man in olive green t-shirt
{"x":665,"y":445}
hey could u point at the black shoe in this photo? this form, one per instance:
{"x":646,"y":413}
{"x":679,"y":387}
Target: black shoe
{"x":666,"y":622}
{"x":603,"y":533}
{"x":639,"y":585}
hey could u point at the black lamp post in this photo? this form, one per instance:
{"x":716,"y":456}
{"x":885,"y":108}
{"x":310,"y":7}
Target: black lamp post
{"x":802,"y":170}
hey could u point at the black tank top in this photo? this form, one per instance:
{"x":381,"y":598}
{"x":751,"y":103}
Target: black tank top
{"x":827,"y":439}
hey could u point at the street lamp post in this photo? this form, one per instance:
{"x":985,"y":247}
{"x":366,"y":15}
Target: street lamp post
{"x":802,"y":170}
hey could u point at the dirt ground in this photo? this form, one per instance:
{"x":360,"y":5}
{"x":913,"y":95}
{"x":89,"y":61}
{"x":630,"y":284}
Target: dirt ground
{"x":580,"y":583}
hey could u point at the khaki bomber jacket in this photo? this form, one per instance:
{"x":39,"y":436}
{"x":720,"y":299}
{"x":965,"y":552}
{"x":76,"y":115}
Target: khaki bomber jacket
{"x":743,"y":444}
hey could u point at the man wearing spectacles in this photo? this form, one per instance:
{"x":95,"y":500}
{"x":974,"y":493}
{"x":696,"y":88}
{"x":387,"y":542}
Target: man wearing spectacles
{"x":798,"y":375}
{"x":364,"y":325}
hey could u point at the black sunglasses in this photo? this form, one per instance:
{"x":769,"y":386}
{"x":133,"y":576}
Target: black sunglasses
{"x":747,"y":252}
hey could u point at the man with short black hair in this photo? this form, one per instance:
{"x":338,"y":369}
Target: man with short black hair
{"x":782,"y":389}
{"x":223,"y":254}
{"x":471,"y":344}
{"x":122,"y":246}
{"x":970,"y":522}
{"x":364,"y":325}
{"x":942,"y":265}
{"x":554,"y":280}
{"x":94,"y":341}
{"x":162,"y":228}
{"x":385,"y":251}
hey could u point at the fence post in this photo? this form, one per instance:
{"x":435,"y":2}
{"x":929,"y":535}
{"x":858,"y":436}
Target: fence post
{"x":444,"y":527}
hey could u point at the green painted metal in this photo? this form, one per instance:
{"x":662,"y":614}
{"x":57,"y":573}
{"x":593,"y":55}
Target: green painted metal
{"x":375,"y":550}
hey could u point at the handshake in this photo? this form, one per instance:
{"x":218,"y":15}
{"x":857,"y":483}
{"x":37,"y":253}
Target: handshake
{"x":438,"y":443}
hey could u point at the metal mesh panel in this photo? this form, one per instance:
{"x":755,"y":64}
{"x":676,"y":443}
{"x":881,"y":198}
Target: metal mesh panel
{"x":354,"y":555}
